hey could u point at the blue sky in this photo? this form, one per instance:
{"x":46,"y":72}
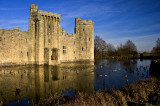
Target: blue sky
{"x":115,"y":21}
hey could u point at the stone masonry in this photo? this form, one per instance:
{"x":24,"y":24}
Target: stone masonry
{"x":45,"y":42}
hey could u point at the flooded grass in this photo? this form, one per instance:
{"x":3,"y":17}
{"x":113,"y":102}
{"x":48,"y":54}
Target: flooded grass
{"x":143,"y":92}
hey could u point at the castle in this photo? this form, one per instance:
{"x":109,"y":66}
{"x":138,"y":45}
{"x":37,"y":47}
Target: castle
{"x":45,"y":42}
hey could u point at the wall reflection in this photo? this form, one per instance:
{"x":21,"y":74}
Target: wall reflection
{"x":33,"y":83}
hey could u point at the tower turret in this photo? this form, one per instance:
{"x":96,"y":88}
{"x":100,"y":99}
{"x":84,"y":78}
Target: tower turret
{"x":84,"y":29}
{"x":33,"y":9}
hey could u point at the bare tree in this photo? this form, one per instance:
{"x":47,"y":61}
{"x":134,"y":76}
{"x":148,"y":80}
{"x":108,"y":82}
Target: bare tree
{"x":103,"y":50}
{"x":158,"y":42}
{"x":121,"y":50}
{"x":100,"y":47}
{"x":110,"y":50}
{"x":128,"y":49}
{"x":156,"y":49}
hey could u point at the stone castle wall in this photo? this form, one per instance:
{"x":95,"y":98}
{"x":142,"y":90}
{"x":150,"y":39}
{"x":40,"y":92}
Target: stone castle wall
{"x":67,"y":47}
{"x":13,"y":46}
{"x":45,"y":42}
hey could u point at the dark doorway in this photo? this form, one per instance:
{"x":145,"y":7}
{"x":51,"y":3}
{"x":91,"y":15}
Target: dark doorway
{"x":54,"y":54}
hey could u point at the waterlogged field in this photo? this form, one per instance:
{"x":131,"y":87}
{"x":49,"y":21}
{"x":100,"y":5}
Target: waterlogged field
{"x":30,"y":84}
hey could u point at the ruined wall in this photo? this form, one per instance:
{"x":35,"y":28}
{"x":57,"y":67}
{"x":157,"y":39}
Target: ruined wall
{"x":13,"y":46}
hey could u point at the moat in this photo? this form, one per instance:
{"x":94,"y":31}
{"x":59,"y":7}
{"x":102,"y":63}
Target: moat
{"x":29,"y":84}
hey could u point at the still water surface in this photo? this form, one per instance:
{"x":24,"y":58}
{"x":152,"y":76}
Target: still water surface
{"x":29,"y":84}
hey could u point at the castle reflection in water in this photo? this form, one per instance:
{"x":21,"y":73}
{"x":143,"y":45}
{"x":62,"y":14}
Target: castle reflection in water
{"x":35,"y":82}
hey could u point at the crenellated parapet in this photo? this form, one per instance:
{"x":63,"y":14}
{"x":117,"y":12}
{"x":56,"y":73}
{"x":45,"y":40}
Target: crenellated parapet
{"x":85,"y":22}
{"x":49,"y":14}
{"x":63,"y":32}
{"x":37,"y":14}
{"x":69,"y":34}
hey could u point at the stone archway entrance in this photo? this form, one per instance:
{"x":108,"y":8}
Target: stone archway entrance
{"x":54,"y":55}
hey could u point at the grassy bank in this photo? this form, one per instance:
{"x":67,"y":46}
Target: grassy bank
{"x":142,"y":92}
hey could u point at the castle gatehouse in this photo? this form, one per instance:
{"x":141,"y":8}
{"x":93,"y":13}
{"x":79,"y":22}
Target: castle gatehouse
{"x":45,"y":42}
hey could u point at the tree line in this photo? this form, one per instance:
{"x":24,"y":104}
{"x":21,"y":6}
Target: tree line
{"x":127,"y":50}
{"x":156,"y":50}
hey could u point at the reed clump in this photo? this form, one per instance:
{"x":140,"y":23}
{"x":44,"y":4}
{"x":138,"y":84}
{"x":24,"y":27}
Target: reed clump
{"x":143,"y":92}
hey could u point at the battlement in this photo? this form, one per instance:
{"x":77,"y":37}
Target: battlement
{"x":84,"y":21}
{"x":33,"y":9}
{"x":33,"y":6}
{"x":46,"y":13}
{"x":16,"y":28}
{"x":69,"y":34}
{"x":35,"y":13}
{"x":63,"y":32}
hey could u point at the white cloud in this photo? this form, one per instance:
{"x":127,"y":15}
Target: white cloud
{"x":9,"y":24}
{"x":4,"y":9}
{"x":17,"y":21}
